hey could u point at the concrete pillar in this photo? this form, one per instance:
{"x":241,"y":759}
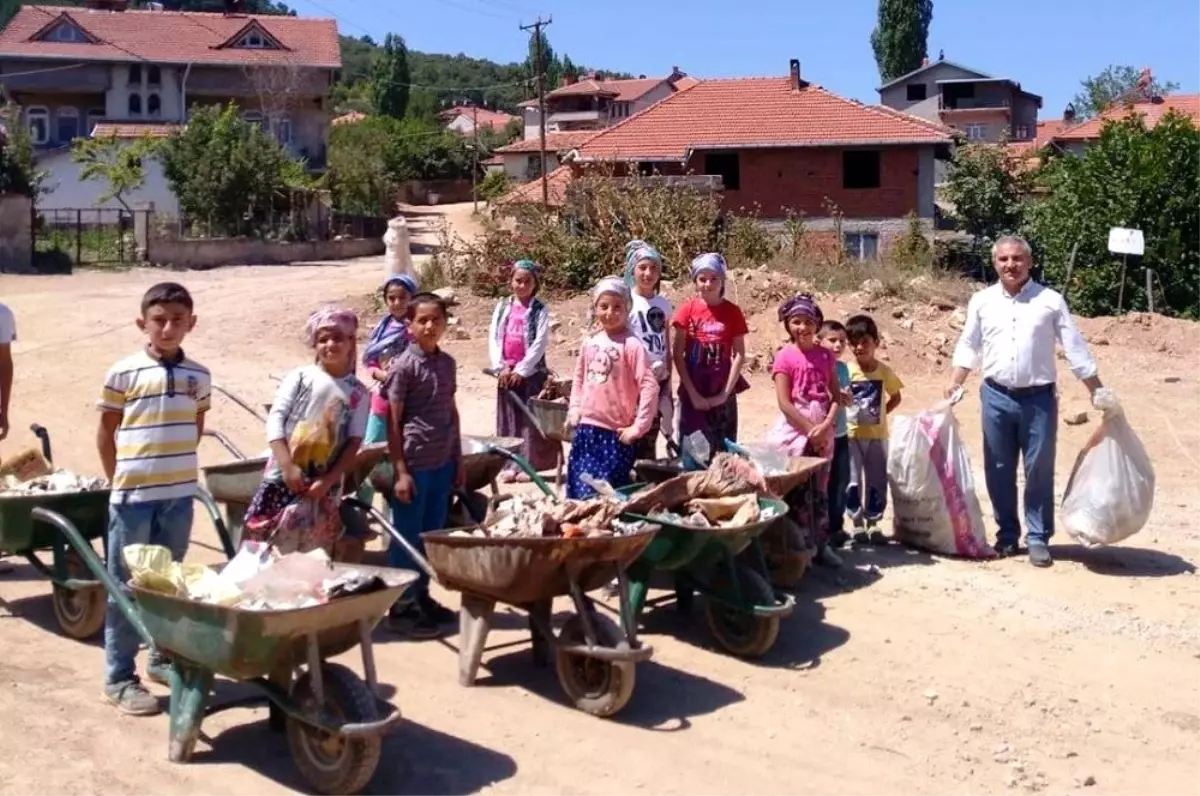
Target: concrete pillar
{"x":397,"y":259}
{"x":143,"y":218}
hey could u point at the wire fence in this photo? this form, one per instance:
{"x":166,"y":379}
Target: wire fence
{"x":87,"y":236}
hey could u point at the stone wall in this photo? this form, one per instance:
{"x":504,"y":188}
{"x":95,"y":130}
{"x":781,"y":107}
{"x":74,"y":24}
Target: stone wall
{"x":16,"y":234}
{"x":201,"y":253}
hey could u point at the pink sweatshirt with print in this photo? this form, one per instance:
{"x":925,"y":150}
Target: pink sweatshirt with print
{"x":614,"y":386}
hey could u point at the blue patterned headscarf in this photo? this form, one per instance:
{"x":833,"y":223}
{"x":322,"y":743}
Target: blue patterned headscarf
{"x":633,"y":246}
{"x":390,"y":336}
{"x":643,"y":252}
{"x":533,"y":268}
{"x":802,"y":304}
{"x":710,"y":261}
{"x":405,"y":281}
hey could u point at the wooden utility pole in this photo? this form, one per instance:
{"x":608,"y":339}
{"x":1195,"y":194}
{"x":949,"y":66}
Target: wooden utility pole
{"x":475,"y":158}
{"x":540,"y":68}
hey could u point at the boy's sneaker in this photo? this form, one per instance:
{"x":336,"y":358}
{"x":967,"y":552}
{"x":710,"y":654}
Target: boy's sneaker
{"x":826,"y":557}
{"x":878,"y":539}
{"x":437,"y":613}
{"x":409,"y":620}
{"x":158,"y":668}
{"x":132,"y":699}
{"x":838,"y":539}
{"x":862,"y":538}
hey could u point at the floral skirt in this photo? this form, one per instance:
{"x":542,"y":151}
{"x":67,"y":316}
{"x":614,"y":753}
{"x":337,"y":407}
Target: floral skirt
{"x":290,"y":522}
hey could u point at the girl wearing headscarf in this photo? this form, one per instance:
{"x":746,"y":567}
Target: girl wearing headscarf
{"x":808,"y":394}
{"x":314,"y":429}
{"x":389,"y":337}
{"x":649,"y":320}
{"x":517,"y":342}
{"x":614,"y":396}
{"x":708,"y":351}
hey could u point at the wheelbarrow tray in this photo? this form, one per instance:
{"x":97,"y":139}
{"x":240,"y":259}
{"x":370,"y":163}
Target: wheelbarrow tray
{"x":800,"y":470}
{"x":524,"y":570}
{"x":482,"y":466}
{"x":235,"y":482}
{"x":87,"y":511}
{"x":241,"y":644}
{"x":677,"y":545}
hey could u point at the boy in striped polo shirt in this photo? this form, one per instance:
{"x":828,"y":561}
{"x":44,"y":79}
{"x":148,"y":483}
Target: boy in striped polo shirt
{"x":152,"y":415}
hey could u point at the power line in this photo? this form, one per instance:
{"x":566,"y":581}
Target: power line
{"x":472,"y":10}
{"x":540,"y":69}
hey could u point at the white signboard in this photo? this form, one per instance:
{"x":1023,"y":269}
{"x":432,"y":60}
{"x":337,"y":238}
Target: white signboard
{"x":1126,"y":241}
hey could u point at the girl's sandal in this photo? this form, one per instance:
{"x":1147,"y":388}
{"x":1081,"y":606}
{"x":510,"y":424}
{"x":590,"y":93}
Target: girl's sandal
{"x":521,"y":478}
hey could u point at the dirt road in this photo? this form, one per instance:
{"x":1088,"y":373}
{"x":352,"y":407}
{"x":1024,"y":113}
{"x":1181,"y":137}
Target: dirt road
{"x":903,"y":673}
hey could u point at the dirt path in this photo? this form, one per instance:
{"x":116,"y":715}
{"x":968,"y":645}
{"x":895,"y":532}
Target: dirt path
{"x":905,"y":673}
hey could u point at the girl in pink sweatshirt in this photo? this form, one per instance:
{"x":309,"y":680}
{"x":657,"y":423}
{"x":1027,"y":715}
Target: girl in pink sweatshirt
{"x":614,"y":398}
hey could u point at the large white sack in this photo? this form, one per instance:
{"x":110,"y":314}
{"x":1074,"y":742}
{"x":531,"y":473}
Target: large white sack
{"x":933,"y":492}
{"x":1111,"y":489}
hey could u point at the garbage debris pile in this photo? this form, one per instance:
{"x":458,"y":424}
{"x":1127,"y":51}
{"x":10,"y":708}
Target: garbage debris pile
{"x":257,"y":579}
{"x":557,"y":390}
{"x":529,"y":516}
{"x":60,"y":481}
{"x":723,"y":496}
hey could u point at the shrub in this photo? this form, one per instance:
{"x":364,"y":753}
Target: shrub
{"x":494,"y":185}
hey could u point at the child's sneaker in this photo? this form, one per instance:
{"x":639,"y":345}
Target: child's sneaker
{"x":838,"y":540}
{"x":862,"y":538}
{"x":409,"y":620}
{"x":879,"y":539}
{"x":158,"y":668}
{"x":437,"y":613}
{"x":611,"y":590}
{"x":132,"y":699}
{"x":826,"y":557}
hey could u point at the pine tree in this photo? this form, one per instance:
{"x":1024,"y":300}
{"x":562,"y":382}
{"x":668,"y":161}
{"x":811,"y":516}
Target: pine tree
{"x":390,"y":79}
{"x":900,"y":38}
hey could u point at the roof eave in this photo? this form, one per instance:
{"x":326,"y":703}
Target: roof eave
{"x":728,"y":145}
{"x":931,"y":65}
{"x":179,"y":61}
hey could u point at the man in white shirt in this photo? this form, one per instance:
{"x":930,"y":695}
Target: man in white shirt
{"x":8,"y":334}
{"x":1010,"y":335}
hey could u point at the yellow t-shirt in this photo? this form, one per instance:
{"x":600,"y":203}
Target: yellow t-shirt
{"x":870,"y":393}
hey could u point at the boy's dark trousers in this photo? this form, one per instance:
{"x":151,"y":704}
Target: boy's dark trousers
{"x":839,"y":480}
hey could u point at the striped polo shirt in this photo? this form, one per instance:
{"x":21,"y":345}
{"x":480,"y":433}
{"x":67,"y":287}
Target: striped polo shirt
{"x":159,"y":402}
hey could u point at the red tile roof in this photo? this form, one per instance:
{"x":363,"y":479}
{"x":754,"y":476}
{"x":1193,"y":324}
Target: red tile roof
{"x":133,"y":130}
{"x":555,"y":142}
{"x":619,"y":90}
{"x":349,"y":118}
{"x":1046,"y":132}
{"x":755,"y":112}
{"x":1152,"y":110}
{"x":172,"y":37}
{"x":557,"y":183}
{"x":487,"y":118}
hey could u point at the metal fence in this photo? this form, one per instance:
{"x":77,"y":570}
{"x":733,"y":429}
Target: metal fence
{"x":86,"y":236}
{"x":318,"y":222}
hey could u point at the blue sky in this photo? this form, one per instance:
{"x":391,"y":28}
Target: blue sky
{"x":1046,"y":45}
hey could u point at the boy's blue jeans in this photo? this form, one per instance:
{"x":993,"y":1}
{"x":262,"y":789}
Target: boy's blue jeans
{"x":427,"y":511}
{"x":161,"y":522}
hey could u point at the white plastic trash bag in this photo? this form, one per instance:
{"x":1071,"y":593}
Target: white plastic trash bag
{"x":933,"y":492}
{"x":1111,"y":489}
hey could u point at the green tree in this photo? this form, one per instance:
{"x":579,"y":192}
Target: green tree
{"x":569,"y":69}
{"x":390,"y":78}
{"x":1131,"y":177}
{"x":1113,"y":84}
{"x":120,"y":164}
{"x":550,"y":65}
{"x":228,"y":173}
{"x":987,"y":191}
{"x":901,"y":36}
{"x":17,"y":171}
{"x":494,"y":185}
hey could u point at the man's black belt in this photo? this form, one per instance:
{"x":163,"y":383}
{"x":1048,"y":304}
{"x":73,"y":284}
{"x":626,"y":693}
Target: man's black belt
{"x":1019,"y":392}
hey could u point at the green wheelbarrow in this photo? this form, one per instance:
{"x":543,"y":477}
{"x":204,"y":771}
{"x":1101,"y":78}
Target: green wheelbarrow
{"x":742,"y":609}
{"x":333,"y":719}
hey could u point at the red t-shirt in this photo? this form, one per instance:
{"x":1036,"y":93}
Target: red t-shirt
{"x":709,"y":331}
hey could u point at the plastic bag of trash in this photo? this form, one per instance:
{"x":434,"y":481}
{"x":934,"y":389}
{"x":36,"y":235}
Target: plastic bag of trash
{"x":152,"y":568}
{"x":934,"y":506}
{"x":1111,"y":489}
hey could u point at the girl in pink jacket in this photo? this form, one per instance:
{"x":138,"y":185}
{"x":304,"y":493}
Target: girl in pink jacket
{"x":614,"y":397}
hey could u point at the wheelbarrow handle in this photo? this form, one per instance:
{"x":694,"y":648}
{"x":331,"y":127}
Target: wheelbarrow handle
{"x":205,"y":498}
{"x":97,"y":567}
{"x":239,"y":402}
{"x":397,"y":537}
{"x":525,"y":466}
{"x":226,"y":443}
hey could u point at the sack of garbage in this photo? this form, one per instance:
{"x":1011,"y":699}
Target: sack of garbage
{"x":1111,"y":489}
{"x":933,"y":492}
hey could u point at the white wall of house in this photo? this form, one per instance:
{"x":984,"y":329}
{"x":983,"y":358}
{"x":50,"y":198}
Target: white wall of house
{"x":517,"y":164}
{"x":532,"y":122}
{"x":461,"y":124}
{"x":67,"y":190}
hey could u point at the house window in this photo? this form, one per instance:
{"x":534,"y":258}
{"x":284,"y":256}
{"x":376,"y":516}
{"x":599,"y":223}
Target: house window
{"x":533,"y":166}
{"x":916,"y":92}
{"x":976,"y":132}
{"x":153,"y":106}
{"x":94,"y":116}
{"x":646,"y":168}
{"x":1022,"y":132}
{"x":283,"y":130}
{"x":153,"y":76}
{"x":135,"y":104}
{"x":860,"y":168}
{"x":254,"y":40}
{"x":861,"y":245}
{"x":37,"y":119}
{"x":66,"y":124}
{"x":66,"y":33}
{"x":254,"y":117}
{"x":135,"y":75}
{"x":727,"y":165}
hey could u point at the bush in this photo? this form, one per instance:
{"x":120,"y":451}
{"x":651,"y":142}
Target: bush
{"x":494,"y":185}
{"x":747,"y":241}
{"x":912,"y":250}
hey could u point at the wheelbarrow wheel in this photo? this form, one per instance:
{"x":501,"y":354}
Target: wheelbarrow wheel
{"x":331,"y":763}
{"x":80,"y":612}
{"x":600,"y":688}
{"x":741,"y":632}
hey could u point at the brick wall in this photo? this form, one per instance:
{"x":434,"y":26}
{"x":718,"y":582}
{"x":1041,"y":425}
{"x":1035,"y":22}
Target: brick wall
{"x":776,"y":179}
